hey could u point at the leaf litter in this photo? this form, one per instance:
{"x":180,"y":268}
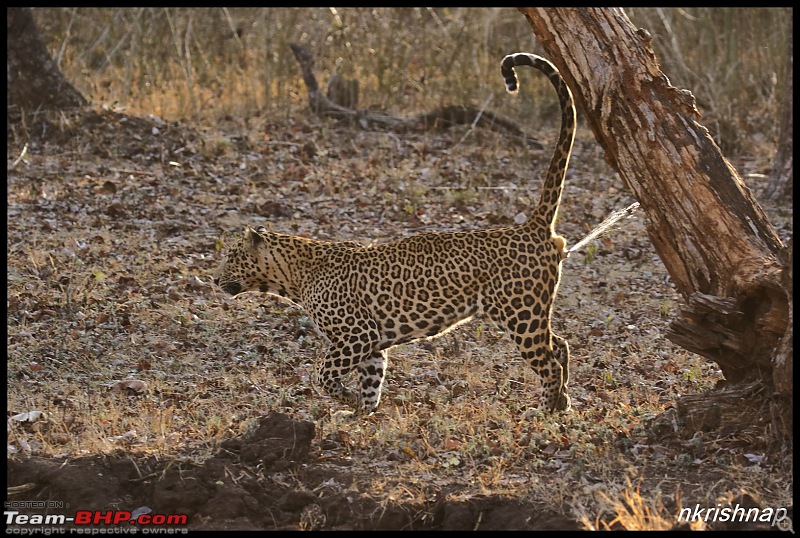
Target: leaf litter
{"x":115,"y":227}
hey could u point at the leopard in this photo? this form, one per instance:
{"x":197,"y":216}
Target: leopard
{"x":367,"y":299}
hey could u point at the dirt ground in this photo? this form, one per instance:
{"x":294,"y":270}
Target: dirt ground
{"x":277,"y":446}
{"x":115,"y":225}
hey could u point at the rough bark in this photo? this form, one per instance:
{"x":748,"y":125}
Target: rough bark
{"x":724,"y":257}
{"x":440,"y":118}
{"x":33,"y":81}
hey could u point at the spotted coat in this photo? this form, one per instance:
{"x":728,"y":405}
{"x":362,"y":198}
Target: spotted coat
{"x":366,"y":300}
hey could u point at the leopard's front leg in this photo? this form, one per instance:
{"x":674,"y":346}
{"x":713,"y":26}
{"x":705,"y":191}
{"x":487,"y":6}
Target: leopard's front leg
{"x":341,"y":360}
{"x":330,"y":372}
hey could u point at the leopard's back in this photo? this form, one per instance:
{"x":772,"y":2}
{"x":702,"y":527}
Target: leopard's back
{"x":424,"y":285}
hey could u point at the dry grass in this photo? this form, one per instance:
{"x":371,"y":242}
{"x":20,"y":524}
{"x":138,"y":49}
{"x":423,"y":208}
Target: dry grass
{"x":207,"y":63}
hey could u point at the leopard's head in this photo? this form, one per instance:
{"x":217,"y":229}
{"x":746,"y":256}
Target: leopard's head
{"x":250,"y":264}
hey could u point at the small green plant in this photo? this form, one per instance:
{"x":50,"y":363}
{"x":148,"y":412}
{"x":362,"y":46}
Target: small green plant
{"x":608,"y":377}
{"x":215,"y":147}
{"x":98,"y":275}
{"x":693,"y":375}
{"x":664,"y":308}
{"x":591,"y":254}
{"x":461,"y":197}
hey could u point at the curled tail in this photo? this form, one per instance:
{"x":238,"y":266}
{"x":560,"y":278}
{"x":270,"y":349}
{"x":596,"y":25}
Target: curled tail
{"x":554,"y":182}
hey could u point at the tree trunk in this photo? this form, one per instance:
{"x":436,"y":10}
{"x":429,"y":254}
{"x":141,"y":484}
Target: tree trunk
{"x":34,"y":82}
{"x":724,"y":257}
{"x":780,"y":182}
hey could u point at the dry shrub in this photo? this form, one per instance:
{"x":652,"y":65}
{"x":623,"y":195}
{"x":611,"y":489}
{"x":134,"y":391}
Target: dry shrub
{"x":207,"y":63}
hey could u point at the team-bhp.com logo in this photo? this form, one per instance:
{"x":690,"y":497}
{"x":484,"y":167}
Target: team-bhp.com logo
{"x":96,"y":522}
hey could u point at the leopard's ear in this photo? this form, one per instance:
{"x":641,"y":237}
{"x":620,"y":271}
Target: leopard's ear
{"x":254,"y":235}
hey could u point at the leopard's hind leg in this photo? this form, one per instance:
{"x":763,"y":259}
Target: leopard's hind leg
{"x":531,"y":334}
{"x":561,"y":352}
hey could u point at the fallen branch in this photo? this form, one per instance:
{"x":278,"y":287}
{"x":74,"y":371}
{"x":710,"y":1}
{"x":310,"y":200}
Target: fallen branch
{"x":18,"y":159}
{"x":440,"y":118}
